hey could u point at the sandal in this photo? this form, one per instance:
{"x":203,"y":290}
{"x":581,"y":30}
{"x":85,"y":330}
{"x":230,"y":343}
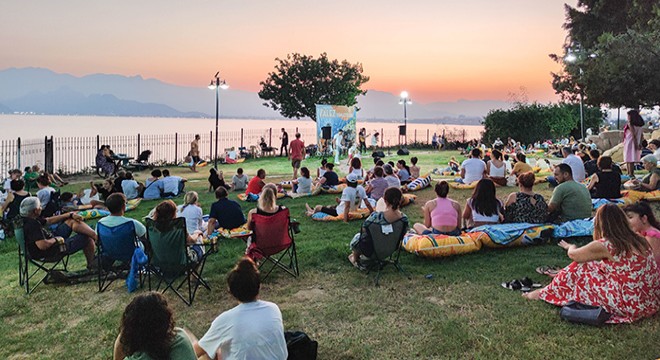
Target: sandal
{"x":528,"y":284}
{"x":551,"y":271}
{"x":512,"y":285}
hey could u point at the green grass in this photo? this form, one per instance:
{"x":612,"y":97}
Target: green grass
{"x":461,"y":312}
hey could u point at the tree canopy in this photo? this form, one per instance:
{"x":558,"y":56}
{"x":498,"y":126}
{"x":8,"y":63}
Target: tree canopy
{"x":616,"y":44}
{"x":299,"y":82}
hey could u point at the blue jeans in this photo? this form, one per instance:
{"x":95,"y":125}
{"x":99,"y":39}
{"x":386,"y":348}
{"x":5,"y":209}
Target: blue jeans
{"x":552,"y":181}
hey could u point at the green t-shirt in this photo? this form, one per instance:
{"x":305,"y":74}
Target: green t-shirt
{"x":573,"y":201}
{"x":182,"y":349}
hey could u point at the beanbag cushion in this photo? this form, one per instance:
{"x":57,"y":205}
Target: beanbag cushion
{"x":333,"y":189}
{"x":353,"y":215}
{"x":434,"y":246}
{"x":420,"y":183}
{"x":254,"y":197}
{"x":459,"y":186}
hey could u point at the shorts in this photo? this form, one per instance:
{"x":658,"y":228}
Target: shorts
{"x":296,"y":163}
{"x":330,"y":210}
{"x":76,"y":243}
{"x":196,"y":159}
{"x":434,"y":231}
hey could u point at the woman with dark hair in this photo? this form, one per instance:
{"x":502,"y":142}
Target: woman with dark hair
{"x":147,"y":332}
{"x":525,"y":206}
{"x":643,"y":221}
{"x":164,"y":213}
{"x":403,"y":172}
{"x":303,"y":184}
{"x":496,"y":169}
{"x":632,"y":140}
{"x":104,"y":160}
{"x":616,"y":271}
{"x":441,"y":215}
{"x":362,"y":243}
{"x":605,"y":183}
{"x":521,"y":165}
{"x":483,"y":207}
{"x":251,"y":330}
{"x":356,"y":168}
{"x":12,"y":203}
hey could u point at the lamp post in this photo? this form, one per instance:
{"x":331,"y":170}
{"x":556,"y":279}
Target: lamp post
{"x":217,"y":84}
{"x":575,"y":56}
{"x":405,"y":100}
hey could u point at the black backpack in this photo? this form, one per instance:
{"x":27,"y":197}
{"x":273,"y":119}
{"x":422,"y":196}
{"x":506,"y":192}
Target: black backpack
{"x":54,"y":205}
{"x":300,"y":346}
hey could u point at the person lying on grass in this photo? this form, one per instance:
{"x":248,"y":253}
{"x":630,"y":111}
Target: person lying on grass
{"x":616,"y":271}
{"x":353,"y":197}
{"x":362,"y":243}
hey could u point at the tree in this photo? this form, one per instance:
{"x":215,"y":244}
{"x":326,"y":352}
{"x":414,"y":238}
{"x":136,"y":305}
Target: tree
{"x":299,"y":82}
{"x":616,"y":44}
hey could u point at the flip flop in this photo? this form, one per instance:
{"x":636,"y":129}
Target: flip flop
{"x":551,"y":271}
{"x":528,"y":284}
{"x":512,"y":285}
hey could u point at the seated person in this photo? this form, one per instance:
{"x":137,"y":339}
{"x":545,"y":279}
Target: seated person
{"x":591,"y":165}
{"x":377,"y":185}
{"x":192,"y":212}
{"x":483,"y":207}
{"x":605,"y":183}
{"x":454,"y":165}
{"x":257,"y":183}
{"x":363,"y":244}
{"x":147,"y":331}
{"x":472,"y":169}
{"x":251,"y":330}
{"x":496,"y":169}
{"x":352,"y":197}
{"x":13,"y":201}
{"x":104,"y":190}
{"x":570,"y":199}
{"x":14,"y":174}
{"x":390,"y":177}
{"x":414,"y":169}
{"x":525,"y":206}
{"x":121,"y":176}
{"x":267,"y":204}
{"x":104,"y":160}
{"x":330,"y":177}
{"x":356,"y":168}
{"x":321,"y":169}
{"x":164,"y":214}
{"x":155,"y":175}
{"x":239,"y":181}
{"x":303,"y":185}
{"x":643,"y":221}
{"x":70,"y":202}
{"x":41,"y":243}
{"x":172,"y":185}
{"x":403,"y":172}
{"x":442,"y":215}
{"x":116,"y":204}
{"x":44,"y":191}
{"x":616,"y":271}
{"x":650,"y":181}
{"x":130,"y":187}
{"x":154,"y":187}
{"x":264,"y":147}
{"x":521,"y":165}
{"x":217,"y":179}
{"x":653,"y":145}
{"x":225,"y":213}
{"x":30,"y":174}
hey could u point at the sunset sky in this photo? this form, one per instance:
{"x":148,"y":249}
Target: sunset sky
{"x":437,"y":50}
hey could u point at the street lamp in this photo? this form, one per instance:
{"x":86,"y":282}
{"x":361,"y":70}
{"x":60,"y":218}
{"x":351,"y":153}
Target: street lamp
{"x":405,"y":100}
{"x":217,"y":84}
{"x":574,"y":57}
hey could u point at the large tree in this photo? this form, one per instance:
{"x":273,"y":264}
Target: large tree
{"x":615,"y":44}
{"x":299,"y":82}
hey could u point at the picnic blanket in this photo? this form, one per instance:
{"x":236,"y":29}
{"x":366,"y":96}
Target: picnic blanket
{"x":596,"y":203}
{"x":573,"y":228}
{"x":514,"y":234}
{"x":353,"y":215}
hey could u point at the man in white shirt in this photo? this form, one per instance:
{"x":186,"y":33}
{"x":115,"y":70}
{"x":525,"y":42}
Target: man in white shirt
{"x":472,"y":169}
{"x":130,"y":187}
{"x":352,"y":198}
{"x":576,"y":164}
{"x":338,"y":142}
{"x":43,"y":183}
{"x":172,"y":185}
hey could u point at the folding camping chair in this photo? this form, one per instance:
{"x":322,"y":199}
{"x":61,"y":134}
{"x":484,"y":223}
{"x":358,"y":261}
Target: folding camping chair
{"x":272,"y":235}
{"x":169,"y":260}
{"x":387,"y":247}
{"x":25,"y":259}
{"x":116,"y":246}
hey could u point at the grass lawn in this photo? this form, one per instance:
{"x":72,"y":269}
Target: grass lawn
{"x":460,"y":312}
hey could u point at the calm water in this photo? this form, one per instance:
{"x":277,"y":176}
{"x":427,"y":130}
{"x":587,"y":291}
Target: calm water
{"x":38,"y":126}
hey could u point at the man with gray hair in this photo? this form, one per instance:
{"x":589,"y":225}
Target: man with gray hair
{"x":51,"y":237}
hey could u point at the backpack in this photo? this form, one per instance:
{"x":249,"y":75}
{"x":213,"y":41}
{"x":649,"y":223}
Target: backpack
{"x":300,"y":346}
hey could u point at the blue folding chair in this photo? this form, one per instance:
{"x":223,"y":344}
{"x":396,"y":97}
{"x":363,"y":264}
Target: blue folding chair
{"x":114,"y":252}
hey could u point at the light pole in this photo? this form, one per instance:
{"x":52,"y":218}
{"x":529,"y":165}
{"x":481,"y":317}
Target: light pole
{"x":405,"y":100}
{"x":217,"y":84}
{"x":574,"y":56}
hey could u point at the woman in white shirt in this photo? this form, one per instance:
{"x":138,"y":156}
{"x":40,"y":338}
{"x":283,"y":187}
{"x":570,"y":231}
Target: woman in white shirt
{"x":192,"y":212}
{"x":251,"y":330}
{"x":496,"y":169}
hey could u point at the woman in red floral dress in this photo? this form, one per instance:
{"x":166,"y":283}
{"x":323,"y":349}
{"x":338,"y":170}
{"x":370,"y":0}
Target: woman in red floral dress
{"x":616,"y":271}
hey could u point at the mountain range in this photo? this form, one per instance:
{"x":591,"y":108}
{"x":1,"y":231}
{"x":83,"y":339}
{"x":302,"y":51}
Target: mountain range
{"x":42,"y":91}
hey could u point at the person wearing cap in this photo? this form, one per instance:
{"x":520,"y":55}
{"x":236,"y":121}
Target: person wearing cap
{"x":353,"y":197}
{"x":651,"y":181}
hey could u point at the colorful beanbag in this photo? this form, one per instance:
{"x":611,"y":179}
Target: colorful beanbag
{"x":459,"y":186}
{"x":420,"y":183}
{"x":333,"y":189}
{"x":99,"y":213}
{"x":286,"y":184}
{"x":434,"y":246}
{"x":254,"y":197}
{"x":354,"y":215}
{"x":633,"y":196}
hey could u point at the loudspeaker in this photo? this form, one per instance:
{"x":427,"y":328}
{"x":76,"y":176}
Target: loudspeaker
{"x":378,"y":154}
{"x":327,"y":132}
{"x":402,"y":129}
{"x":403,"y":151}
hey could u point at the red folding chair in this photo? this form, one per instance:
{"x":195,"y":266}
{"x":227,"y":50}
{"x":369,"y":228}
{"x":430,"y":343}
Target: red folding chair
{"x":272,"y":236}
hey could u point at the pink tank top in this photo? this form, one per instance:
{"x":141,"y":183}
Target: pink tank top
{"x":444,"y":213}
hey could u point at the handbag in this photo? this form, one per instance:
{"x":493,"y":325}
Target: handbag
{"x":579,"y":313}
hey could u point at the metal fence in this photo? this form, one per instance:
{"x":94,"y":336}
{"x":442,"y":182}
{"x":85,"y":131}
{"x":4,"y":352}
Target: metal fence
{"x":76,"y":154}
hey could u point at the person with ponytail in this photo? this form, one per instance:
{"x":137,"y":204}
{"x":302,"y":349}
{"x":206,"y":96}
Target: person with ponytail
{"x":251,"y":330}
{"x":616,"y":271}
{"x":641,"y":219}
{"x":192,"y":211}
{"x":403,"y":171}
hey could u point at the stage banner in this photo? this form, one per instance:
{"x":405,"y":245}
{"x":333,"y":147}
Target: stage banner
{"x":337,"y":118}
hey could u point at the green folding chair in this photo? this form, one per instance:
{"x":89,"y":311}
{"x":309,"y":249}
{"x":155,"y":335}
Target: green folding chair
{"x":169,"y":260}
{"x":387,"y":248}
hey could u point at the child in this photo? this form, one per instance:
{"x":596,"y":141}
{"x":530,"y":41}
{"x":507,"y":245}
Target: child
{"x":377,"y":185}
{"x":322,"y":169}
{"x":352,"y":198}
{"x":239,"y":181}
{"x":356,"y":168}
{"x":414,"y":169}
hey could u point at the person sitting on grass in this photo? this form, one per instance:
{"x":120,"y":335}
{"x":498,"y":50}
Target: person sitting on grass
{"x":321,"y":169}
{"x":266,"y":205}
{"x":147,"y":331}
{"x":303,"y":184}
{"x":330,"y":177}
{"x":30,"y":175}
{"x":362,"y":243}
{"x":496,"y":169}
{"x":616,"y":271}
{"x":130,"y":187}
{"x":403,"y":172}
{"x":14,"y":174}
{"x":390,"y":177}
{"x":154,"y":186}
{"x":441,"y":215}
{"x":472,"y":169}
{"x":251,"y":330}
{"x":356,"y":168}
{"x":192,"y":212}
{"x":164,"y":214}
{"x":172,"y":185}
{"x":521,"y":165}
{"x":570,"y":200}
{"x":217,"y":179}
{"x":225,"y":213}
{"x":41,"y":243}
{"x":643,"y":221}
{"x":605,"y":183}
{"x":13,"y":201}
{"x":104,"y":190}
{"x":414,"y":169}
{"x":591,"y":165}
{"x":239,"y":181}
{"x":377,"y":185}
{"x":353,"y":197}
{"x":650,"y":181}
{"x":257,"y":183}
{"x":121,"y":176}
{"x":525,"y":206}
{"x":483,"y":207}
